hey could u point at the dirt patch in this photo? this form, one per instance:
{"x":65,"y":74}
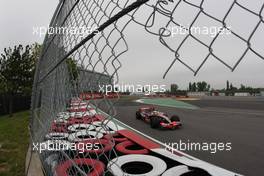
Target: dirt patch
{"x":4,"y":167}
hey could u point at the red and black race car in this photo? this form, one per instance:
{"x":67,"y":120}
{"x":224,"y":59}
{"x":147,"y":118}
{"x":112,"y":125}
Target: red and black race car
{"x":158,"y":119}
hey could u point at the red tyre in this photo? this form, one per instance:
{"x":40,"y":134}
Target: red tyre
{"x":59,"y":127}
{"x":97,"y":146}
{"x":66,"y":168}
{"x":116,"y":137}
{"x":84,"y":120}
{"x":123,"y":148}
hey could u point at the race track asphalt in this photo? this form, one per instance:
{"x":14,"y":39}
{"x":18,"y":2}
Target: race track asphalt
{"x":239,"y":121}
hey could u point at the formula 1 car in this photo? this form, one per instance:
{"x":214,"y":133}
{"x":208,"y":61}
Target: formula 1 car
{"x":158,"y":119}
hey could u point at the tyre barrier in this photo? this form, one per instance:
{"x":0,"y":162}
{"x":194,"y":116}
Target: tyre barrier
{"x":63,"y":115}
{"x":77,"y":109}
{"x":85,"y":120}
{"x":79,"y":103}
{"x":60,"y":120}
{"x":104,"y":130}
{"x":84,"y":135}
{"x":85,"y":96}
{"x":137,"y":165}
{"x":59,"y":127}
{"x":112,"y":95}
{"x":177,"y":171}
{"x":82,"y":114}
{"x":116,"y":137}
{"x":75,"y":100}
{"x":80,"y":109}
{"x":105,"y":123}
{"x":89,"y":96}
{"x":102,"y":127}
{"x":98,"y":124}
{"x":98,"y":146}
{"x":99,"y":117}
{"x":88,"y":127}
{"x":80,"y":127}
{"x":57,"y":136}
{"x":67,"y":167}
{"x":123,"y":148}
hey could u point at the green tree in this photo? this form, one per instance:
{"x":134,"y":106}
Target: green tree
{"x":174,"y":88}
{"x":194,"y":87}
{"x":190,"y":86}
{"x":3,"y":87}
{"x":208,"y":87}
{"x":242,"y":87}
{"x":73,"y":71}
{"x":231,"y":87}
{"x":17,"y":67}
{"x":227,"y":85}
{"x":202,"y":86}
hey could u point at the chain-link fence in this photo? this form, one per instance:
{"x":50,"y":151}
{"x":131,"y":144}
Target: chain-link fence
{"x":76,"y":62}
{"x":185,"y":26}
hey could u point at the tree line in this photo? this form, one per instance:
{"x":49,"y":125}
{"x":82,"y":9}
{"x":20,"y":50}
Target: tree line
{"x":17,"y":68}
{"x":203,"y":86}
{"x":199,"y":86}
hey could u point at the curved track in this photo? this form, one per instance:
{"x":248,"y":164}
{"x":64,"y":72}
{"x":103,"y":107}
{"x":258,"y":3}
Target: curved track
{"x":237,"y":121}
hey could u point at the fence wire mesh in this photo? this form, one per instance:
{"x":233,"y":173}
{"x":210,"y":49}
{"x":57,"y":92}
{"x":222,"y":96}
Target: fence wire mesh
{"x":74,"y":65}
{"x":169,"y":18}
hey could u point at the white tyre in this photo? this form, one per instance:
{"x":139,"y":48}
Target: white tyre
{"x":97,"y":123}
{"x":176,"y":171}
{"x":93,"y":111}
{"x":79,"y":107}
{"x":80,"y":127}
{"x":79,"y":104}
{"x":60,"y":120}
{"x":63,"y":115}
{"x":101,"y":127}
{"x":76,"y":108}
{"x":84,"y":135}
{"x":57,"y":136}
{"x":104,"y":130}
{"x":106,"y":125}
{"x":137,"y":165}
{"x":113,"y":126}
{"x":81,"y":114}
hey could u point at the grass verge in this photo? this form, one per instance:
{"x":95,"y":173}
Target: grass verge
{"x":168,"y":102}
{"x":14,"y":140}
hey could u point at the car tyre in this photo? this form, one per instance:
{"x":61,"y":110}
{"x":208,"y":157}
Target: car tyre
{"x":155,"y":122}
{"x":175,"y":118}
{"x":138,"y":116}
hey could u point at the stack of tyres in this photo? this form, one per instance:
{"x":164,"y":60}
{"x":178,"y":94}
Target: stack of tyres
{"x":118,"y":151}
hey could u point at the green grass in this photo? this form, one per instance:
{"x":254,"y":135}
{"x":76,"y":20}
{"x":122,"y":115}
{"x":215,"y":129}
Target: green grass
{"x":169,"y":102}
{"x":14,"y":140}
{"x":129,"y":97}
